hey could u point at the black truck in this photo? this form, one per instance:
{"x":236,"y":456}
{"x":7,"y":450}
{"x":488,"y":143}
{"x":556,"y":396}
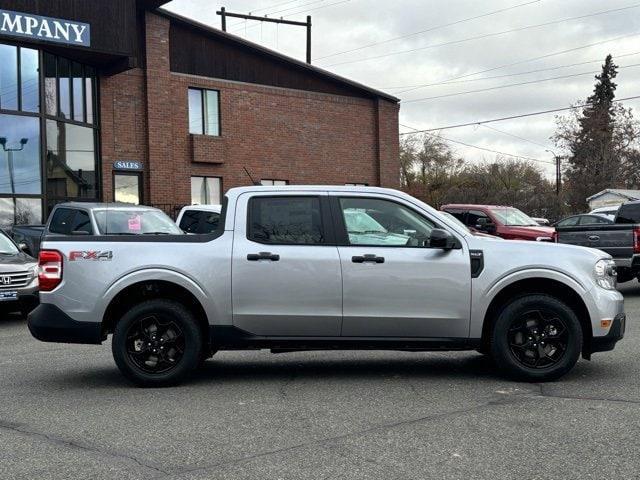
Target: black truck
{"x":620,"y":239}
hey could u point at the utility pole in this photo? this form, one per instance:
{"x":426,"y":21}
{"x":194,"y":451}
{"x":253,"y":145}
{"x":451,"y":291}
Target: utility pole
{"x":224,"y":14}
{"x":558,"y":171}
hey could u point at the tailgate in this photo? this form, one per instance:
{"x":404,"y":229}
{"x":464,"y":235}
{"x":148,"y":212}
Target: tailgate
{"x":616,"y":240}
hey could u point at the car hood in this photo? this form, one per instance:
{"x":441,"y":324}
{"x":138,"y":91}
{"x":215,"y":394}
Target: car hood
{"x":537,"y":231}
{"x":16,"y":262}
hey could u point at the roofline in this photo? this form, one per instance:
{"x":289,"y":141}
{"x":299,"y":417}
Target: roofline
{"x":267,"y":51}
{"x":611,"y":190}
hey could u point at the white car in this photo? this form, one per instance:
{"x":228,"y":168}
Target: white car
{"x":199,"y":218}
{"x":609,"y":212}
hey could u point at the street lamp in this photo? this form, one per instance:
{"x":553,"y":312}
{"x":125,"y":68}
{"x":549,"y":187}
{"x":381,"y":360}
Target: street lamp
{"x":558,"y":171}
{"x":3,"y":144}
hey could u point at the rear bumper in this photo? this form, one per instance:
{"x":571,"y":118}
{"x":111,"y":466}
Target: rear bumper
{"x":616,"y":333}
{"x":48,"y":323}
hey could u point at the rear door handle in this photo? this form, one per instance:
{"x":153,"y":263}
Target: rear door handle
{"x":254,"y":257}
{"x":369,"y":258}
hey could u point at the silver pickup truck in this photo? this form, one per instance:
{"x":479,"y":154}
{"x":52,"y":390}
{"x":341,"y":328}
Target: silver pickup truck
{"x":316,"y":268}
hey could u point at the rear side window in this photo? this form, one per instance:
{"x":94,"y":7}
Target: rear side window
{"x":569,"y":222}
{"x":629,"y":213}
{"x":65,"y":221}
{"x":285,"y":221}
{"x":592,"y":220}
{"x":198,"y":221}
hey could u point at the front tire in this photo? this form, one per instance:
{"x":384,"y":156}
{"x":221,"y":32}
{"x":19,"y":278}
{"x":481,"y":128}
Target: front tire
{"x":157,"y":343}
{"x":536,"y":338}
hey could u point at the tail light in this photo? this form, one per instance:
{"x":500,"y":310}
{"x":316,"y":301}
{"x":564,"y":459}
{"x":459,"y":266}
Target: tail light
{"x":636,"y":240}
{"x":49,"y":269}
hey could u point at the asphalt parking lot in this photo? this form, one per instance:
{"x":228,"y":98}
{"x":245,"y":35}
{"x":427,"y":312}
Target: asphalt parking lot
{"x":65,"y":412}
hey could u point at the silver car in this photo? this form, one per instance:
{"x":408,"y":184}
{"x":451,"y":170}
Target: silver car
{"x":319,"y":268}
{"x":18,"y":277}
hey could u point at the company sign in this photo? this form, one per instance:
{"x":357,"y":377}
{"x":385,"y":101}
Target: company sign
{"x":45,"y":28}
{"x":127,"y":165}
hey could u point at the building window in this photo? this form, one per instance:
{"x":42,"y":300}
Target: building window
{"x":204,"y":112}
{"x":206,"y":190}
{"x":127,"y":187}
{"x":273,"y":183}
{"x":68,"y":115}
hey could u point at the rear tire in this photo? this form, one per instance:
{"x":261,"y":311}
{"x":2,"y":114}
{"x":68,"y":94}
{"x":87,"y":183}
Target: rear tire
{"x":536,"y":338}
{"x":157,"y":343}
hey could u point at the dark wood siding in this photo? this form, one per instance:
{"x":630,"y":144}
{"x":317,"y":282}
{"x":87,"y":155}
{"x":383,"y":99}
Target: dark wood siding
{"x":114,"y":28}
{"x":209,"y":54}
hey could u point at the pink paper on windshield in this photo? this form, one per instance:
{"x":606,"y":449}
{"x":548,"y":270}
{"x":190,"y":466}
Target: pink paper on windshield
{"x":135,"y":223}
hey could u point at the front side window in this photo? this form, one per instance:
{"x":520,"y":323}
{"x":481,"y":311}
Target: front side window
{"x":569,"y":222}
{"x":285,"y":221}
{"x":476,"y":218}
{"x":206,"y":190}
{"x":377,"y":222}
{"x":204,"y":112}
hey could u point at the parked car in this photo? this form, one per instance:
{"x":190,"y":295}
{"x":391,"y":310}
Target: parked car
{"x":541,"y":221}
{"x":584,"y":219}
{"x":89,"y":219}
{"x":199,"y":218}
{"x":620,"y":239}
{"x":18,"y":277}
{"x":290,"y":272}
{"x":610,"y":211}
{"x":505,"y":222}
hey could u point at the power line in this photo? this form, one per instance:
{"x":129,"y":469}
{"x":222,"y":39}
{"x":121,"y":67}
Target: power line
{"x":490,"y":150}
{"x":253,"y":11}
{"x":530,"y":82}
{"x":486,"y":35}
{"x":514,"y":136}
{"x":513,"y":117}
{"x":285,"y":10}
{"x":528,"y":60}
{"x":431,"y":29}
{"x":506,"y":75}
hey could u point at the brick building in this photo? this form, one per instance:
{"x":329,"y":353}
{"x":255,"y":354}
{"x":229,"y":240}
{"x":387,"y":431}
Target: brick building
{"x":121,"y":100}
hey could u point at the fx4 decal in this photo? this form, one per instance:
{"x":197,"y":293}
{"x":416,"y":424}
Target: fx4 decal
{"x":91,"y":255}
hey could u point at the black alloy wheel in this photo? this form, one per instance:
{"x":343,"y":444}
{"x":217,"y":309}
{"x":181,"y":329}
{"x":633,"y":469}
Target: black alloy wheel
{"x":538,"y":339}
{"x":155,"y":343}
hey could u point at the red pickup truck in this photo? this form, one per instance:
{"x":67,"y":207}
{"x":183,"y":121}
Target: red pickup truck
{"x":506,"y":222}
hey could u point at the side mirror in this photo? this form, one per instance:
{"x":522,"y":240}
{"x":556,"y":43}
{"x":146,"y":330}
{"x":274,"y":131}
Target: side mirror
{"x":441,"y":239}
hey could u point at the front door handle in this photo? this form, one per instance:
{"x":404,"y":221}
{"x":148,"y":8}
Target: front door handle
{"x":369,"y":258}
{"x":254,"y":257}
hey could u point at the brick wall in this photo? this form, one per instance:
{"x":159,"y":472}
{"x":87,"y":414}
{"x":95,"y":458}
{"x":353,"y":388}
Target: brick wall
{"x":276,"y":133}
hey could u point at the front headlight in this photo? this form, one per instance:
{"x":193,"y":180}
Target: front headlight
{"x":605,"y":273}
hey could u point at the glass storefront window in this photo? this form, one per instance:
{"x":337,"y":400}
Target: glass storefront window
{"x":64,"y":87}
{"x":50,"y":84}
{"x":20,"y":155}
{"x":71,"y":161}
{"x":20,"y":211}
{"x":126,"y":188}
{"x":30,"y":82}
{"x":78,"y":95}
{"x":8,"y":77}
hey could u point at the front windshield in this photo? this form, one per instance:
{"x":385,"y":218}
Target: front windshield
{"x":513,"y":217}
{"x":135,"y":222}
{"x":359,"y":222}
{"x":7,"y":247}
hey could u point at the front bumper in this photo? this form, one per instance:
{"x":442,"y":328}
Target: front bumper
{"x":616,"y":333}
{"x":48,"y":323}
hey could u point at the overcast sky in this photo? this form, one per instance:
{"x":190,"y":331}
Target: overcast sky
{"x":340,"y":26}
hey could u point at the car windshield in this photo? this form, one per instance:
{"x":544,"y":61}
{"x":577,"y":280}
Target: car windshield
{"x":134,"y":222}
{"x":361,"y":222}
{"x":513,"y":217}
{"x":7,"y":247}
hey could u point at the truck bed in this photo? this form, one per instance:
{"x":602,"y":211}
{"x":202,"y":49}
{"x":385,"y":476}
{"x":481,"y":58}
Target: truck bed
{"x":615,"y":239}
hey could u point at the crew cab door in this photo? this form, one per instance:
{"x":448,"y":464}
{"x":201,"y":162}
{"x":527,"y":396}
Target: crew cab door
{"x":393,"y":285}
{"x":286,"y":278}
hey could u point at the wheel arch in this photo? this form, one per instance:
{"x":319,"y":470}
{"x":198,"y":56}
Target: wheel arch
{"x":540,"y":285}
